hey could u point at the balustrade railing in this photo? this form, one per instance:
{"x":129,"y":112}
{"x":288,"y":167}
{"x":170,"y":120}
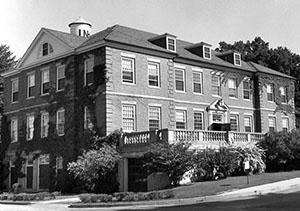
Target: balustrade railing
{"x":198,"y":139}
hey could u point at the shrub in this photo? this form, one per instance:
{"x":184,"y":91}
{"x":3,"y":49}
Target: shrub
{"x":282,"y":150}
{"x":210,"y":164}
{"x":173,"y":159}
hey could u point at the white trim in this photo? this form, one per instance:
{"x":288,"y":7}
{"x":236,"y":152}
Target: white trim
{"x":129,"y":102}
{"x":157,"y":64}
{"x":133,"y":71}
{"x":26,"y":108}
{"x":60,"y":110}
{"x":234,"y":60}
{"x":180,"y":108}
{"x":90,"y":59}
{"x":203,"y":50}
{"x":184,"y":82}
{"x":248,"y":114}
{"x":155,"y":104}
{"x":234,"y":112}
{"x":267,"y":109}
{"x":43,"y":113}
{"x":180,"y":66}
{"x":271,"y":115}
{"x":160,"y":115}
{"x":28,"y":84}
{"x":134,"y":117}
{"x":11,"y":84}
{"x":128,"y":55}
{"x":198,"y":109}
{"x":57,"y":68}
{"x":199,"y":69}
{"x":167,"y":43}
{"x":153,"y":60}
{"x":43,"y":70}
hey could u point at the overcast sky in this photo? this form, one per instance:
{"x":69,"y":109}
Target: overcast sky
{"x":211,"y":21}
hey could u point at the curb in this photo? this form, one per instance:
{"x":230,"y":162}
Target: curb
{"x":16,"y":202}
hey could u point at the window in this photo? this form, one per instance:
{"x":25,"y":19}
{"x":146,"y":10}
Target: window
{"x":88,"y":72}
{"x":60,"y":84}
{"x":60,"y":122}
{"x":29,"y":126}
{"x":272,"y":124}
{"x":180,"y":119}
{"x":283,"y":94}
{"x":59,"y":163}
{"x":44,"y":124}
{"x":237,"y":59}
{"x":198,"y":120}
{"x":179,"y":80}
{"x":246,"y":89}
{"x":154,"y":118}
{"x":128,"y":118}
{"x":285,"y":124}
{"x":88,"y":124}
{"x":30,"y":85}
{"x":14,"y":130}
{"x":248,"y":123}
{"x":217,"y":118}
{"x":206,"y":52}
{"x":15,"y":89}
{"x":232,"y":85}
{"x":153,"y":74}
{"x":270,"y":92}
{"x":171,"y":44}
{"x":45,"y":82}
{"x":234,"y":122}
{"x":197,"y":82}
{"x":46,"y":49}
{"x":127,"y":70}
{"x":216,"y":85}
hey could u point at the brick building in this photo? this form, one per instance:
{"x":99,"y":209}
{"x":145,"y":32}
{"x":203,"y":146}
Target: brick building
{"x":153,"y":82}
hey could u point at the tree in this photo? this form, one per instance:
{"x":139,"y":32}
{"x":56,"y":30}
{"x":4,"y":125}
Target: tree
{"x":7,"y":59}
{"x":280,"y":59}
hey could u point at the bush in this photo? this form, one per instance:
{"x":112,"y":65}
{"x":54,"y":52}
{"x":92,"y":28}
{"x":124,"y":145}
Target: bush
{"x":28,"y":196}
{"x":282,"y":151}
{"x":210,"y":164}
{"x":173,"y":159}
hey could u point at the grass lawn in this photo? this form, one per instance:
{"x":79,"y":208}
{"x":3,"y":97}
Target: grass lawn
{"x":230,"y":183}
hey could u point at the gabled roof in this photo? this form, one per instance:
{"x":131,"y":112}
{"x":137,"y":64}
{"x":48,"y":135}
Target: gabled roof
{"x":71,"y":40}
{"x":267,"y":70}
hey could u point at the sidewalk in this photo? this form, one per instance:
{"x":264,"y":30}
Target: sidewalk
{"x":286,"y":186}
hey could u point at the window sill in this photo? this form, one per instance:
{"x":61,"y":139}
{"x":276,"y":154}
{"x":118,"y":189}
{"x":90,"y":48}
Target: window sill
{"x":182,"y":92}
{"x":60,"y":90}
{"x":29,"y":98}
{"x":154,"y":87}
{"x":127,"y":83}
{"x":246,"y":99}
{"x":233,"y":98}
{"x":14,"y":102}
{"x":196,"y":93}
{"x":46,"y":94}
{"x":218,"y":96}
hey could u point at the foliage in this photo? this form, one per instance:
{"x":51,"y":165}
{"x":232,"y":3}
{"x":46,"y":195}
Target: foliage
{"x":126,"y":196}
{"x":210,"y":164}
{"x":173,"y":159}
{"x":282,"y":150}
{"x":29,"y":196}
{"x":4,"y":144}
{"x":95,"y":165}
{"x":7,"y":59}
{"x":280,"y":59}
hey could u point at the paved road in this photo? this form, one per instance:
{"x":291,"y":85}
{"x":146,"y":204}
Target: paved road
{"x":290,"y":201}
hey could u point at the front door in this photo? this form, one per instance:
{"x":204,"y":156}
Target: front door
{"x":44,"y":176}
{"x":29,"y":177}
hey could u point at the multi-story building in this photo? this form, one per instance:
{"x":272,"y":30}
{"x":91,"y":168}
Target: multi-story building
{"x":125,"y":78}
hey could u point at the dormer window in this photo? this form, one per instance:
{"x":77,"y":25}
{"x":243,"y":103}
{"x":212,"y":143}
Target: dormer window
{"x":46,"y":49}
{"x":237,"y":59}
{"x":171,"y":44}
{"x":206,"y":52}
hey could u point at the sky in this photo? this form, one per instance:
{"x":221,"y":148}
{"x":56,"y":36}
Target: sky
{"x":210,"y":21}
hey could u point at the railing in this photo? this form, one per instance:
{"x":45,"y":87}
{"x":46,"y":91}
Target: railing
{"x":199,"y":139}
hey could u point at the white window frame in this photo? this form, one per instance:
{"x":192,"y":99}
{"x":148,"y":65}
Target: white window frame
{"x":202,"y":118}
{"x":159,"y":116}
{"x":184,"y":118}
{"x":132,"y":60}
{"x":158,"y":73}
{"x":219,"y":84}
{"x":203,"y":49}
{"x":235,"y":88}
{"x":30,"y":85}
{"x":248,"y":90}
{"x":61,"y":110}
{"x":45,"y":127}
{"x":183,"y":79}
{"x":287,"y":121}
{"x":14,"y":129}
{"x":133,"y":118}
{"x":167,"y":43}
{"x":272,"y":90}
{"x":237,"y":120}
{"x":30,"y":126}
{"x":49,"y":50}
{"x":15,"y":80}
{"x":237,"y":62}
{"x":195,"y":71}
{"x":271,"y":117}
{"x":58,"y":69}
{"x":43,"y":71}
{"x":283,"y":92}
{"x":86,"y":71}
{"x":251,"y":122}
